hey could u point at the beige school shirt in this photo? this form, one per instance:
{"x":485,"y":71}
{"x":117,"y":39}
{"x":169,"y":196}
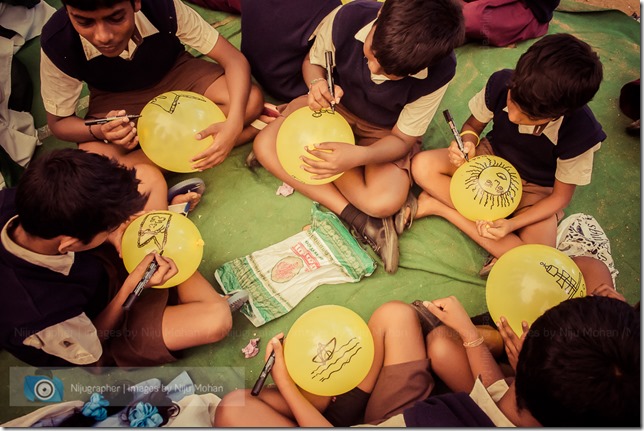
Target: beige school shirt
{"x":60,"y":92}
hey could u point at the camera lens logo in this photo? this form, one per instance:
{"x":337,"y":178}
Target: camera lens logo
{"x":43,"y":389}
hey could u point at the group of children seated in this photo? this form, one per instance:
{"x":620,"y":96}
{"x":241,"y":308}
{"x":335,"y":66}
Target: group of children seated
{"x":393,"y":62}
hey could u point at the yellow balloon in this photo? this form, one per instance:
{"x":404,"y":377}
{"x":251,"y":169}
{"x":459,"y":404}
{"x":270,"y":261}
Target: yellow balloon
{"x":168,"y":125}
{"x":530,"y":279}
{"x":305,"y":128}
{"x":173,"y":233}
{"x":486,"y":188}
{"x":329,"y":350}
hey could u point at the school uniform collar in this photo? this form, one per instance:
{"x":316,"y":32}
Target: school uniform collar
{"x":361,"y":36}
{"x":142,"y":29}
{"x":551,"y":131}
{"x":486,"y":399}
{"x":61,"y":263}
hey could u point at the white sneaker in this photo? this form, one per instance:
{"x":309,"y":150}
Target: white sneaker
{"x":581,"y":235}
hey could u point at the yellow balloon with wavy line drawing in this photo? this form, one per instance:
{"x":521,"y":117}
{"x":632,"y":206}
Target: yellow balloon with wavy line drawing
{"x":329,"y":350}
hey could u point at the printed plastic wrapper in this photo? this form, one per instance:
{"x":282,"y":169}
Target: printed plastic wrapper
{"x":280,"y":276}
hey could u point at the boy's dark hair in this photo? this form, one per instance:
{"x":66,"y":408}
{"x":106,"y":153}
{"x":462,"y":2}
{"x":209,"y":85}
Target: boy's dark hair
{"x":410,"y":35}
{"x":76,"y":193}
{"x":580,"y":365}
{"x":555,"y":76}
{"x":91,"y":5}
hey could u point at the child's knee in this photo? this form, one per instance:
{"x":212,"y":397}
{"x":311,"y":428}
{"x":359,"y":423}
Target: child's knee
{"x":151,"y":179}
{"x":227,"y":409}
{"x":393,"y":311}
{"x":218,"y":321}
{"x":442,"y":343}
{"x":255,"y":101}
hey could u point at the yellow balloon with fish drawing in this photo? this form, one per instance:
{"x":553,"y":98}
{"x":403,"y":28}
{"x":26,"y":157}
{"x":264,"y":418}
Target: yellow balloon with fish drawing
{"x":329,"y":350}
{"x":486,"y":188}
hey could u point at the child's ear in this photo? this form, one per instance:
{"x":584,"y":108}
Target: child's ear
{"x":67,"y":244}
{"x":137,"y":5}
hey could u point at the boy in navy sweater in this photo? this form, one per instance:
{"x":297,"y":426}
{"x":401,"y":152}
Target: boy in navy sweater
{"x":393,"y":63}
{"x":542,"y":125}
{"x":130,"y":51}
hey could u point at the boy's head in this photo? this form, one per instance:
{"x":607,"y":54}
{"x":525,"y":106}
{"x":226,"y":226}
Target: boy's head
{"x":410,"y":35}
{"x":580,"y":365}
{"x":77,"y":194}
{"x":555,"y":76}
{"x":107,"y":24}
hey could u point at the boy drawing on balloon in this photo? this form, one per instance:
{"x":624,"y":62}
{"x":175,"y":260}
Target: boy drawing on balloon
{"x":130,"y":51}
{"x":398,"y":390}
{"x":393,"y":63}
{"x":64,"y":284}
{"x":542,"y":126}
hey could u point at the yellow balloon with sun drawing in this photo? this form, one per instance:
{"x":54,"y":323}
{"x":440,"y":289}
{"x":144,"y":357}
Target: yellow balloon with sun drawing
{"x":486,"y":188}
{"x":329,"y":350}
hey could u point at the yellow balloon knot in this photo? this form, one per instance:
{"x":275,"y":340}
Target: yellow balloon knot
{"x":200,"y":242}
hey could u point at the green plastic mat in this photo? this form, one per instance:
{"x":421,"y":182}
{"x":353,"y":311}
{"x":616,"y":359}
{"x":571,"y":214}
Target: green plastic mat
{"x":241,"y":213}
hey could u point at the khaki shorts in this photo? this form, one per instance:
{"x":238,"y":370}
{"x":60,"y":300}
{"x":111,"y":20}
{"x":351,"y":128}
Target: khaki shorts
{"x":398,"y":387}
{"x":138,"y":341}
{"x":189,"y":73}
{"x":532,"y":193}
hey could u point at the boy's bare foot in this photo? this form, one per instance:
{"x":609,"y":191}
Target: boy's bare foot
{"x":187,"y":192}
{"x":429,"y":205}
{"x":193,"y":198}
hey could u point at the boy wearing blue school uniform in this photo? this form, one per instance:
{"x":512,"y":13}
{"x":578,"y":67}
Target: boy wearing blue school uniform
{"x":393,"y":63}
{"x":542,"y":125}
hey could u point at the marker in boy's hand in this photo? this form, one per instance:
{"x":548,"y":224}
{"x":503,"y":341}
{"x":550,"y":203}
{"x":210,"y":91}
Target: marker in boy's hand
{"x":145,"y":279}
{"x":457,"y":136}
{"x":328,"y":57}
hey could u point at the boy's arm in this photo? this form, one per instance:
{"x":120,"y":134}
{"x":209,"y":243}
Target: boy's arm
{"x":60,"y":93}
{"x":470,"y":141}
{"x":111,"y":316}
{"x":238,"y":82}
{"x":306,"y":415}
{"x":450,"y":311}
{"x":558,"y":200}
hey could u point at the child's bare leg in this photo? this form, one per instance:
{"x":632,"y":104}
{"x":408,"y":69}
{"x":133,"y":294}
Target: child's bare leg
{"x":201,"y":317}
{"x":117,"y":152}
{"x":377,"y":190}
{"x":433,"y":172}
{"x":428,"y":205}
{"x":397,"y":339}
{"x":264,"y":147}
{"x":218,"y":93}
{"x":449,"y":359}
{"x":240,"y":409}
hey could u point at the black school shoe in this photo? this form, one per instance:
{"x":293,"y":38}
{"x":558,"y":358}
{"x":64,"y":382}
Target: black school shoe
{"x":381,"y":235}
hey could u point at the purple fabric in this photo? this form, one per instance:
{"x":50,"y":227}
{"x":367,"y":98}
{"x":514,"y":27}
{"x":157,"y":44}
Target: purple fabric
{"x":501,"y":22}
{"x":275,"y":40}
{"x":448,"y":410}
{"x":231,"y":6}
